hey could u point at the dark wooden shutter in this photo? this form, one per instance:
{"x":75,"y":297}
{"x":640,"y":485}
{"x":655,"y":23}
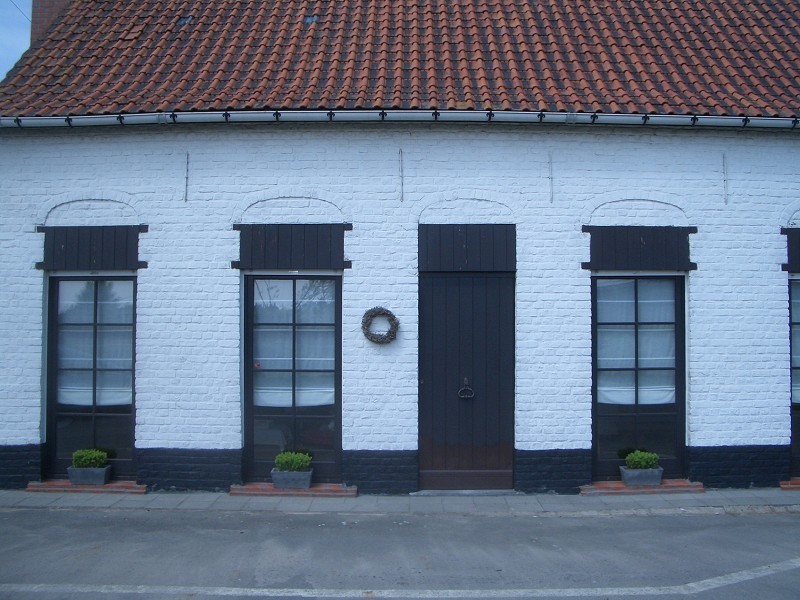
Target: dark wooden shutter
{"x":92,"y":248}
{"x":292,"y":247}
{"x":467,"y":248}
{"x":639,"y":248}
{"x":793,"y":250}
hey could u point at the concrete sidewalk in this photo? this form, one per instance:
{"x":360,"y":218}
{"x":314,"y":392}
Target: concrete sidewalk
{"x":713,"y":501}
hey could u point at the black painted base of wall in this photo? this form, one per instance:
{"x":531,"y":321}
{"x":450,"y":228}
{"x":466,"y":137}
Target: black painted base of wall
{"x":182,"y":469}
{"x":559,"y":471}
{"x":381,"y":471}
{"x":739,"y":466}
{"x":19,"y":465}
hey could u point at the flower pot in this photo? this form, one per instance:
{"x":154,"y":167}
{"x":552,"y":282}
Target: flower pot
{"x":89,"y":476}
{"x":634,"y":477}
{"x":292,"y":479}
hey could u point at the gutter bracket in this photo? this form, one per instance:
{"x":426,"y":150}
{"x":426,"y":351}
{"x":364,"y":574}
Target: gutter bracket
{"x":594,"y":118}
{"x":277,"y":115}
{"x":541,"y":116}
{"x":227,"y":116}
{"x":382,"y":115}
{"x":490,"y":115}
{"x":695,"y":119}
{"x":331,"y":114}
{"x":174,"y":117}
{"x":18,"y":121}
{"x":745,"y":121}
{"x":68,"y":121}
{"x":645,"y":119}
{"x":121,"y":119}
{"x":435,"y":115}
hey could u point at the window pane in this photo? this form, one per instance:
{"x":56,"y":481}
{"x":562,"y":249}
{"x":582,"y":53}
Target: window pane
{"x":115,"y":347}
{"x":273,"y":301}
{"x":317,"y":436}
{"x":796,"y":345}
{"x":115,"y":436}
{"x":656,"y":387}
{"x":114,"y":388}
{"x":272,"y":347}
{"x":796,"y":386}
{"x":615,"y":301}
{"x":656,"y":300}
{"x":271,"y":436}
{"x":616,"y":347}
{"x":316,"y":348}
{"x":795,"y":307}
{"x":115,"y":302}
{"x":615,"y":434}
{"x":656,"y":346}
{"x":314,"y":389}
{"x":658,"y":433}
{"x":75,"y":301}
{"x":616,"y":387}
{"x":316,"y":301}
{"x":74,"y":387}
{"x":272,"y":389}
{"x":73,"y":433}
{"x":76,"y":347}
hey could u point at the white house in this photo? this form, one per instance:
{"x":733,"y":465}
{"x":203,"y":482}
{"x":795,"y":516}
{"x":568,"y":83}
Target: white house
{"x":578,"y":218}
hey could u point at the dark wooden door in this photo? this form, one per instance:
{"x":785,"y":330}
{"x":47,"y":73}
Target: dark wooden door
{"x":466,"y":388}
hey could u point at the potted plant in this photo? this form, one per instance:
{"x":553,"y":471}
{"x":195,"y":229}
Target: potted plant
{"x":641,"y":468}
{"x":89,"y":467}
{"x":292,"y":470}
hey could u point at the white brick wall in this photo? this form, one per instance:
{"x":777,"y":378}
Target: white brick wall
{"x":737,"y":188}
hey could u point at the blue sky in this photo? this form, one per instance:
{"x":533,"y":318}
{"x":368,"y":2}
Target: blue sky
{"x":15,"y":32}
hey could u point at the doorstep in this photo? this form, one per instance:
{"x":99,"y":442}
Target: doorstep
{"x":318,"y":490}
{"x":792,"y":484}
{"x":617,"y":488}
{"x":63,"y":485}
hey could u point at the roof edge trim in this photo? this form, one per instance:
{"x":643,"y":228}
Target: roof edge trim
{"x":401,"y":116}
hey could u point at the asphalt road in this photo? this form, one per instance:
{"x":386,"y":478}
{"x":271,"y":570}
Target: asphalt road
{"x":102,"y":554}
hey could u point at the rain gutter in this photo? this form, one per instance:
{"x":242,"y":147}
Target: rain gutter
{"x":402,"y":116}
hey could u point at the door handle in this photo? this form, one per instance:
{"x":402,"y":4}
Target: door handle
{"x":466,"y":392}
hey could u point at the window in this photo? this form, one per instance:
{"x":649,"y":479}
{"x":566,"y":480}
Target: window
{"x":638,"y":368}
{"x":293,"y":364}
{"x":91,"y":369}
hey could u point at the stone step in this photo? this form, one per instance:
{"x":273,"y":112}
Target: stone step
{"x":63,"y":485}
{"x":318,"y":490}
{"x":617,"y":488}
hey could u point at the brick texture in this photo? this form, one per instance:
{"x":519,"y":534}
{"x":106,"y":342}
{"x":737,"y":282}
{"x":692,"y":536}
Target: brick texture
{"x":379,"y":472}
{"x":20,"y":465}
{"x":740,"y":466}
{"x":169,"y":469}
{"x":43,"y":13}
{"x":561,"y":471}
{"x":191,"y":184}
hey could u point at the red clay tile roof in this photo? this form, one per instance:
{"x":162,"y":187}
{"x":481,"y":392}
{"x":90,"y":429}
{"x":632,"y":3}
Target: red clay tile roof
{"x":704,"y":57}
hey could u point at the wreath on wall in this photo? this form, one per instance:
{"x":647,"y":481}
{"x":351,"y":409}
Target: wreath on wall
{"x":379,"y":338}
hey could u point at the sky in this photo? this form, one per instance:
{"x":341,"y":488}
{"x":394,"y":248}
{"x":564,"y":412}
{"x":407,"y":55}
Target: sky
{"x":15,"y":32}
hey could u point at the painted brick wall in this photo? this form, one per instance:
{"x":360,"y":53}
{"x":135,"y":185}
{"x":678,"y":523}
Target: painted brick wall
{"x":191,"y":184}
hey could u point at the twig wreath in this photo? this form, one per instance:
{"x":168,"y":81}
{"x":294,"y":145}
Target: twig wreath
{"x":379,"y":338}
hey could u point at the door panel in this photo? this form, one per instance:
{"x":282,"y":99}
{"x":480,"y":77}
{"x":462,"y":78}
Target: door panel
{"x":466,"y":391}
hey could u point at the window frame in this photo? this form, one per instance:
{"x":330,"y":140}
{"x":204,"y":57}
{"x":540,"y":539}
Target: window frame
{"x":257,"y":470}
{"x":124,"y":468}
{"x":674,"y":467}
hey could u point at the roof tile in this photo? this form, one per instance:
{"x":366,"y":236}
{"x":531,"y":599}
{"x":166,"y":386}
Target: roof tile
{"x":716,"y":57}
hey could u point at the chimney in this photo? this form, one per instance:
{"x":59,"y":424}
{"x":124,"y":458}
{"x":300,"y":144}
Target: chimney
{"x":43,"y":13}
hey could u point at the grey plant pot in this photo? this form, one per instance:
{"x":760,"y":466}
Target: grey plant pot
{"x":97,"y":476}
{"x":292,"y":479}
{"x":634,"y":477}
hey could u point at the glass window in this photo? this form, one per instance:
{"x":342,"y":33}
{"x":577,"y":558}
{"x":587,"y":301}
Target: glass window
{"x":635,"y":325}
{"x":91,"y":368}
{"x":794,"y":315}
{"x":294,"y":355}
